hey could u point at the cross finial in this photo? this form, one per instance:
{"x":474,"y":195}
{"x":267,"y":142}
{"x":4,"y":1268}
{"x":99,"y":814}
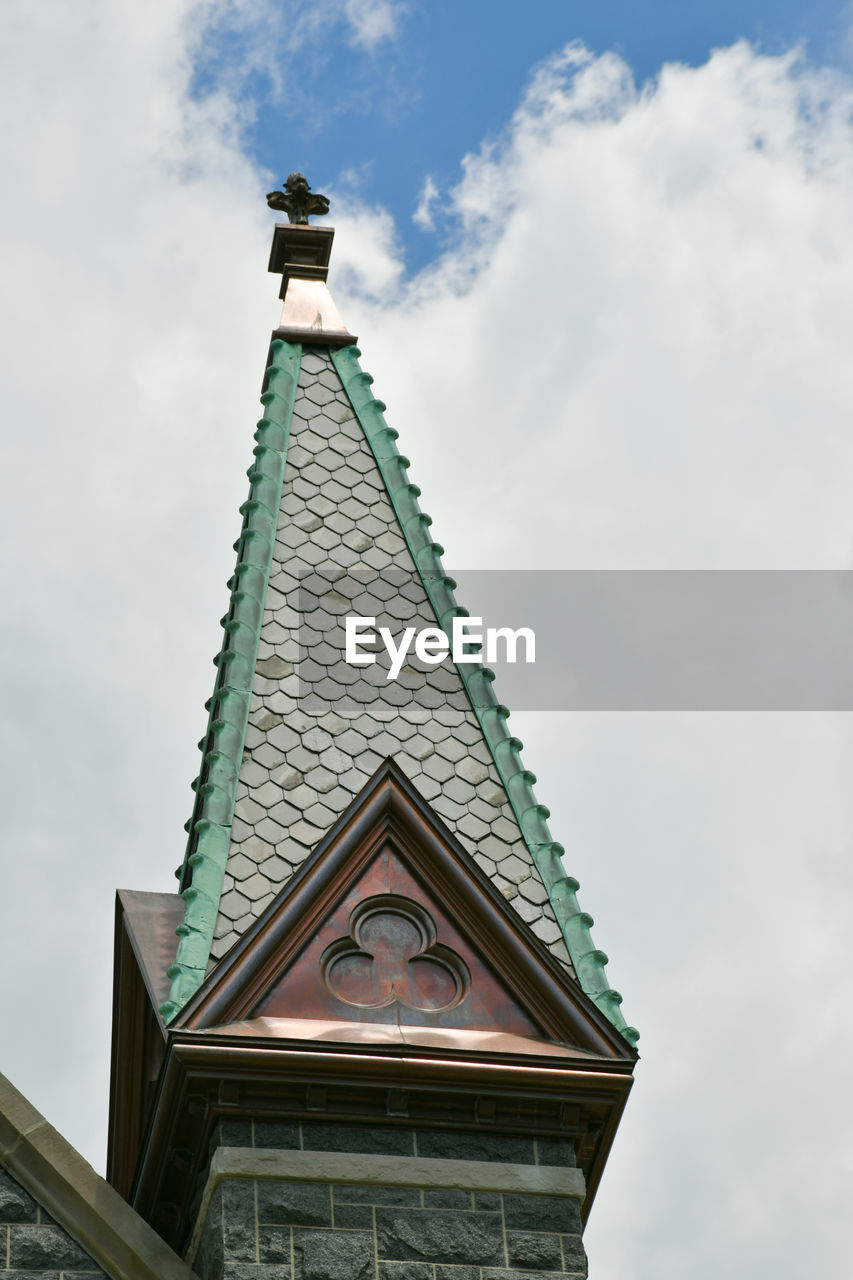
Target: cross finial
{"x":297,"y":200}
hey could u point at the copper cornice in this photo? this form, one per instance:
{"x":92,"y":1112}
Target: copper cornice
{"x":207,"y":1076}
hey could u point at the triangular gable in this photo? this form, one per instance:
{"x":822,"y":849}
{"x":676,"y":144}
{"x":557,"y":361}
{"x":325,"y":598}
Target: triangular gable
{"x":391,"y":921}
{"x":388,"y":951}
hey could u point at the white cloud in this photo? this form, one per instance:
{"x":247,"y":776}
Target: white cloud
{"x":422,"y":216}
{"x":288,"y":45}
{"x":124,"y":377}
{"x":677,"y":300}
{"x":636,"y":354}
{"x":373,"y":21}
{"x":368,"y":260}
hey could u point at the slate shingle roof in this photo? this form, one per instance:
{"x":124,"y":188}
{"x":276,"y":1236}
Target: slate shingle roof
{"x":319,"y":728}
{"x":332,"y":526}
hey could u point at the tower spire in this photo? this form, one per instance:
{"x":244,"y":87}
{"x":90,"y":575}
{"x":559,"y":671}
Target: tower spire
{"x":380,"y":951}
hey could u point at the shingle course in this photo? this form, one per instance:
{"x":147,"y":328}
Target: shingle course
{"x":339,"y":549}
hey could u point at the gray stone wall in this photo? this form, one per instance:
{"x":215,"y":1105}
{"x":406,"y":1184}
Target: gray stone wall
{"x":32,"y":1244}
{"x":261,"y":1229}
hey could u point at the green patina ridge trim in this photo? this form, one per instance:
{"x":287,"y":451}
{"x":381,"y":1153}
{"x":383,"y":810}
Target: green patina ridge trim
{"x":209,"y":827}
{"x":532,"y":817}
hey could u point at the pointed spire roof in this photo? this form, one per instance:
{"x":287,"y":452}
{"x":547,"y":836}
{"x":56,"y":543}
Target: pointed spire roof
{"x":333,"y":526}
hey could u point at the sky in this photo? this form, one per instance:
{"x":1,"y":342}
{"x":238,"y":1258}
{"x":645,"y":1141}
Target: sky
{"x":599,"y":260}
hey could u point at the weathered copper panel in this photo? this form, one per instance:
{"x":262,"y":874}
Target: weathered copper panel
{"x":390,"y":951}
{"x":151,"y":920}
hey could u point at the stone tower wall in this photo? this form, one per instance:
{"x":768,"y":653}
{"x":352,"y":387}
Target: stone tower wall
{"x":345,"y":1218}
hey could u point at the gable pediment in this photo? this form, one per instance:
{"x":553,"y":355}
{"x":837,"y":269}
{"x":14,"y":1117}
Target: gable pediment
{"x":391,"y":923}
{"x":389,"y":951}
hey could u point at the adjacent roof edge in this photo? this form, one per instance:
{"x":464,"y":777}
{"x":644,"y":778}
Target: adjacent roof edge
{"x":588,"y":961}
{"x":209,"y":827}
{"x":86,"y":1206}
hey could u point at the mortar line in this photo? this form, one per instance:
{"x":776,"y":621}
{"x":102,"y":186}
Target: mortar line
{"x":375,"y":1240}
{"x":257,"y":1226}
{"x":503,"y":1225}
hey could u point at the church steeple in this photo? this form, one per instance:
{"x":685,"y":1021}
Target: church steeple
{"x":331,"y":496}
{"x":367,"y":863}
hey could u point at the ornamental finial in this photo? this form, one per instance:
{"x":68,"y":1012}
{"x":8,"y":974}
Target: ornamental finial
{"x":297,"y":200}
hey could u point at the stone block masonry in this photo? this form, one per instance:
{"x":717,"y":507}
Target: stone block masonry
{"x":296,"y":1211}
{"x":32,"y":1244}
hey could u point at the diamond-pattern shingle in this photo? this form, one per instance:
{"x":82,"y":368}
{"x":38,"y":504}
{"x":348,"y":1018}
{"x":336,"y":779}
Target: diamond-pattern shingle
{"x":318,"y":727}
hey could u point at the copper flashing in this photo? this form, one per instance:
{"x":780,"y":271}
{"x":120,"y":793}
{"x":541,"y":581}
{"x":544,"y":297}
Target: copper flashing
{"x":395,"y":1034}
{"x":145,"y":926}
{"x":317,"y":338}
{"x":208,"y":1076}
{"x":151,"y":920}
{"x":301,"y":253}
